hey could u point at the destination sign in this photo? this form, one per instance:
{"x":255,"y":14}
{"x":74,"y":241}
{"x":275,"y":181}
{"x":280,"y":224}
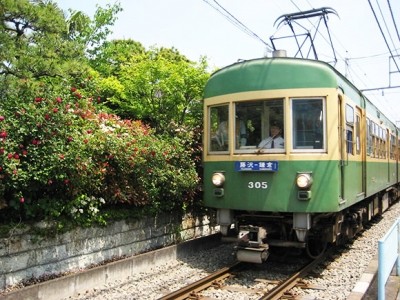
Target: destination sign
{"x":271,"y":166}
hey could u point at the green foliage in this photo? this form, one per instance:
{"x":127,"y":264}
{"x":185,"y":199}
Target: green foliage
{"x":113,"y":55}
{"x":61,"y":154}
{"x":54,"y":149}
{"x":159,"y":86}
{"x":92,"y":33}
{"x":34,"y":41}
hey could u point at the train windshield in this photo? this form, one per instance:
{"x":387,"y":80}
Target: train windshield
{"x":259,"y":125}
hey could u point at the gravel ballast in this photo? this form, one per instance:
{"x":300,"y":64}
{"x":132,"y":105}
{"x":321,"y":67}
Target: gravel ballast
{"x":334,"y":280}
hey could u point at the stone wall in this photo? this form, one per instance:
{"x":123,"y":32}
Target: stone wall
{"x":24,"y":255}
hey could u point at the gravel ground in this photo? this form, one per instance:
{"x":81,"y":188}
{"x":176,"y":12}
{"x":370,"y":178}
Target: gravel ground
{"x":335,"y":279}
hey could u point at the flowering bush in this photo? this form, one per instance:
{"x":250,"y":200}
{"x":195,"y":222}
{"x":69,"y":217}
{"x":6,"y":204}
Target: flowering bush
{"x":60,"y":156}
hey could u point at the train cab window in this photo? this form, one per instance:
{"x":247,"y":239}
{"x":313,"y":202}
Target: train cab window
{"x":308,"y":124}
{"x":219,"y":128}
{"x":259,"y":126}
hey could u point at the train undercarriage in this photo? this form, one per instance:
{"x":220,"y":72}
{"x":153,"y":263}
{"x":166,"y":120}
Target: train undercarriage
{"x":259,"y":233}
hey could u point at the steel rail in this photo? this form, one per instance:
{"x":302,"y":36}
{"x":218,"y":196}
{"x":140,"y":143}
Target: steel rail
{"x":201,"y":284}
{"x":278,"y":291}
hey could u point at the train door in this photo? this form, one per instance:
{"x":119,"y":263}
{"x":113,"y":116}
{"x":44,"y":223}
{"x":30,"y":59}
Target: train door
{"x":361,"y":150}
{"x":352,"y":154}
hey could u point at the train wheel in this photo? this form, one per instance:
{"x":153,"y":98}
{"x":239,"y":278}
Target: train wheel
{"x":316,"y":244}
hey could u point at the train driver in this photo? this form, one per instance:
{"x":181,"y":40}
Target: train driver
{"x":275,"y":140}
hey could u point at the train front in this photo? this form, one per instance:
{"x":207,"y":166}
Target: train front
{"x":267,"y":168}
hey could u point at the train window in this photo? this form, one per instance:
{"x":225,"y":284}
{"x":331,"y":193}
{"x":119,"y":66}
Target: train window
{"x":349,"y":114}
{"x":349,"y":129}
{"x":219,"y":128}
{"x":349,"y":140}
{"x":374,"y":134}
{"x":392,"y":146}
{"x":253,"y":126}
{"x":308,"y":123}
{"x":358,"y":130}
{"x":369,"y":137}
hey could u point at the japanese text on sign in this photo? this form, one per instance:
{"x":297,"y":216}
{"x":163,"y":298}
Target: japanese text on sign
{"x":271,"y":166}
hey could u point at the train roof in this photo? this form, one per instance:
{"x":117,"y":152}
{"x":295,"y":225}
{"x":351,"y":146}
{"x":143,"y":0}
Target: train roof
{"x":272,"y":73}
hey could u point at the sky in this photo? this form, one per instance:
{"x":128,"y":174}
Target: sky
{"x":195,"y":28}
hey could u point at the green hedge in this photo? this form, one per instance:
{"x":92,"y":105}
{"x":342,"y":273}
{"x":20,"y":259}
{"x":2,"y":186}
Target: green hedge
{"x":60,"y":156}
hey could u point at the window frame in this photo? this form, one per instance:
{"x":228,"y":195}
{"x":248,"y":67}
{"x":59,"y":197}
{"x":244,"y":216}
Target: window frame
{"x":209,"y":129}
{"x":324,"y":147}
{"x":263,"y":102}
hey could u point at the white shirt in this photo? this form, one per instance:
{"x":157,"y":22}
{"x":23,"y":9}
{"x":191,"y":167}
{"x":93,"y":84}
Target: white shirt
{"x":267,"y":143}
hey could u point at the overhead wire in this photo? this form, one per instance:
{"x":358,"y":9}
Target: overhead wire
{"x":220,"y":9}
{"x":393,"y":19}
{"x":382,"y":33}
{"x":387,"y":28}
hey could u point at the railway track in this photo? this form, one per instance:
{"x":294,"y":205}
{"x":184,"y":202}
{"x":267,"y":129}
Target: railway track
{"x":191,"y":290}
{"x":280,"y":291}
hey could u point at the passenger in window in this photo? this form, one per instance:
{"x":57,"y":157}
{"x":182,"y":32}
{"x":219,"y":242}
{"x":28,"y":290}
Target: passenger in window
{"x":241,"y":132}
{"x":221,"y":136}
{"x":275,"y":140}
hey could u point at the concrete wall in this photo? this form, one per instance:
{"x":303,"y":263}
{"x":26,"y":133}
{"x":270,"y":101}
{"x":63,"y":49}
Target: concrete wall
{"x":24,"y":255}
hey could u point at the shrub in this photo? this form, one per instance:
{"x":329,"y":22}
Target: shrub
{"x":60,"y":156}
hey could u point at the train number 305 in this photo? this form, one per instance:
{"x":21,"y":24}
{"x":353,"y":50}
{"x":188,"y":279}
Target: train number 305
{"x":257,"y":185}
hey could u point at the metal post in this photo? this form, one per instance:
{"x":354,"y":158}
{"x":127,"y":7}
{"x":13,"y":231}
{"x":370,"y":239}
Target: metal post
{"x":381,"y":279}
{"x":398,"y":249}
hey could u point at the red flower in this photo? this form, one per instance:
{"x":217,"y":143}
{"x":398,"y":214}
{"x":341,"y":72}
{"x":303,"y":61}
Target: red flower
{"x":55,"y":110}
{"x":1,"y":150}
{"x":73,"y":89}
{"x":61,"y":156}
{"x":2,"y":118}
{"x":35,"y":142}
{"x":10,"y":155}
{"x":59,"y":100}
{"x":3,"y":134}
{"x":16,"y":156}
{"x":38,"y":99}
{"x":47,"y":116}
{"x":22,"y":199}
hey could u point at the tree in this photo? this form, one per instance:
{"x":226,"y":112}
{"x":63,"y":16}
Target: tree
{"x":114,"y":54}
{"x":33,"y":46}
{"x":161,"y":86}
{"x":40,"y":44}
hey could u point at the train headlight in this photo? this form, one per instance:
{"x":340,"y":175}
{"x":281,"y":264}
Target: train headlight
{"x":218,"y":179}
{"x":304,"y":180}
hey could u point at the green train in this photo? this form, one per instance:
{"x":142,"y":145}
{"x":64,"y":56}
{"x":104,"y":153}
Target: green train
{"x":295,"y":156}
